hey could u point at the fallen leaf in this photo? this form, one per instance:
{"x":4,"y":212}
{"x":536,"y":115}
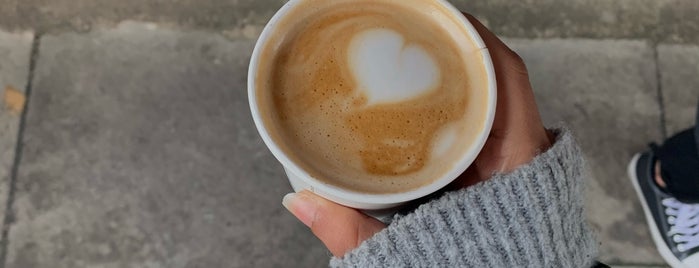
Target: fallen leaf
{"x":14,"y":100}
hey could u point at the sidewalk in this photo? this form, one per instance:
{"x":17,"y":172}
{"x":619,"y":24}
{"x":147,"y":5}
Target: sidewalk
{"x":138,"y":149}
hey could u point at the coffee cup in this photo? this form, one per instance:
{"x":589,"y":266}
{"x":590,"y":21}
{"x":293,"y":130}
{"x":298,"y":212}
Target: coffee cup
{"x":372,"y":103}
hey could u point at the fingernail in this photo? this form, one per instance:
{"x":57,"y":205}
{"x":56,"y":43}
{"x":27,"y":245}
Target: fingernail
{"x":287,"y":200}
{"x":303,"y":207}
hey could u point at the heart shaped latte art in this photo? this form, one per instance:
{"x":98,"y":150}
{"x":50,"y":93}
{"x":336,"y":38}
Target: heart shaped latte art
{"x":388,"y":70}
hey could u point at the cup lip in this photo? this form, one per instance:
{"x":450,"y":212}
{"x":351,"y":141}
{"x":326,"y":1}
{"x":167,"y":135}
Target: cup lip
{"x":359,"y":199}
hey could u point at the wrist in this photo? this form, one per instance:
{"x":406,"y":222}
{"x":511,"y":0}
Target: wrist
{"x":529,"y":147}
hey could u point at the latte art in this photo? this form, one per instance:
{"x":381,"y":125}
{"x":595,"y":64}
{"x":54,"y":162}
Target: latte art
{"x":367,"y":100}
{"x":389,"y":70}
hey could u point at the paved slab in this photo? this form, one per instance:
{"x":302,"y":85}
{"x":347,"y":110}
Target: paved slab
{"x":141,"y":152}
{"x":660,"y":20}
{"x":679,"y":72}
{"x":14,"y":67}
{"x":84,"y":15}
{"x":607,"y":92}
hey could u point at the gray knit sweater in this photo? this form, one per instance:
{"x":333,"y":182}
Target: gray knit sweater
{"x":532,"y":217}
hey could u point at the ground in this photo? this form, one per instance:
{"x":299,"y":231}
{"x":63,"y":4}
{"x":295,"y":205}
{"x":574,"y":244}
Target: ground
{"x":137,"y":148}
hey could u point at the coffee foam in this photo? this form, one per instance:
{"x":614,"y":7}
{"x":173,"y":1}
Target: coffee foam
{"x":387,"y":69}
{"x":339,"y":116}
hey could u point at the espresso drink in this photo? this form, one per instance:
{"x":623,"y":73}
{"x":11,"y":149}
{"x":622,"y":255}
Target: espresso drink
{"x":374,"y":96}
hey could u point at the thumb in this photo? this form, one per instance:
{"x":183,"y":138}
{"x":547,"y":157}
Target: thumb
{"x":340,"y":228}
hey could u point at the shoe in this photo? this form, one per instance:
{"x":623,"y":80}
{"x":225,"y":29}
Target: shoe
{"x":674,"y":225}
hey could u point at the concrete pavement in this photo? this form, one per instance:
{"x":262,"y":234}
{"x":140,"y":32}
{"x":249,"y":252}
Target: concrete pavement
{"x":15,"y":51}
{"x":139,"y":150}
{"x":606,"y":91}
{"x":679,"y":66}
{"x":658,"y":20}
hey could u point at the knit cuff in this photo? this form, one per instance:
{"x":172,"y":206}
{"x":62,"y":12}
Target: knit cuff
{"x":532,"y":217}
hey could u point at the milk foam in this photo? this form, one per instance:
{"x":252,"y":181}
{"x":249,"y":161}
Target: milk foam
{"x":387,"y":69}
{"x":445,"y":139}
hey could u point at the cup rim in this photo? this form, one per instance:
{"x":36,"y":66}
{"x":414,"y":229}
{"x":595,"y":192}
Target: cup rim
{"x":370,"y":200}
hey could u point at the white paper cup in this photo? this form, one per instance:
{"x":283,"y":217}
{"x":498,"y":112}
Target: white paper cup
{"x":376,"y":203}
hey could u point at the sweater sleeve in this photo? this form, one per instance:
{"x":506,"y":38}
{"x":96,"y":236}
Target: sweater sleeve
{"x":532,"y":217}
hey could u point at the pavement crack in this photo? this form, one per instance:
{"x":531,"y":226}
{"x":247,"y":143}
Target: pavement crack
{"x":9,"y":216}
{"x":661,"y":99}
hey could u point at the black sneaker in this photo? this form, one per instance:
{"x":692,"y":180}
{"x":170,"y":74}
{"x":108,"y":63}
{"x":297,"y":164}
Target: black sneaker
{"x":674,"y":225}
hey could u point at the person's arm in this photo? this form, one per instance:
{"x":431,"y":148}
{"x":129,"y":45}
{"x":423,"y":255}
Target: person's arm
{"x":531,"y":217}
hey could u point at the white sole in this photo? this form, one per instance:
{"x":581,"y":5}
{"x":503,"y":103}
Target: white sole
{"x":664,"y":250}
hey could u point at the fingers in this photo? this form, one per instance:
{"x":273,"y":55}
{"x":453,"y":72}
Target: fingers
{"x":504,"y":59}
{"x":517,"y":134}
{"x":516,"y":105}
{"x":491,"y":41}
{"x":514,"y":88}
{"x":340,"y":228}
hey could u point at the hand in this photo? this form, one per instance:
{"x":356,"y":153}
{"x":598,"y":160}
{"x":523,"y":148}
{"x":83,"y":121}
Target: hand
{"x":517,"y":136}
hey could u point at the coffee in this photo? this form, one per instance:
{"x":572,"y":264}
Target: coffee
{"x":374,"y":96}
